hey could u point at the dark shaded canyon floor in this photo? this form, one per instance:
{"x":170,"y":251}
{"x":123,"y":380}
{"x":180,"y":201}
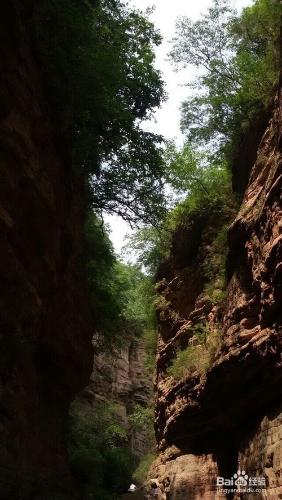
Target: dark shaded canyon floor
{"x":138,"y":495}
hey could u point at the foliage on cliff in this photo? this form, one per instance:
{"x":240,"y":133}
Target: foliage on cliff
{"x":122,"y":300}
{"x":237,"y":58}
{"x":121,"y":295}
{"x":199,"y":188}
{"x":97,"y":61}
{"x":99,"y":450}
{"x":199,"y":355}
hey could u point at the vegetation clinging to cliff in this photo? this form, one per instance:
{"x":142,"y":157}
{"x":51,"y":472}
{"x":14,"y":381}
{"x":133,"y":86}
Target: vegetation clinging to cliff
{"x":121,"y":295}
{"x":126,"y":171}
{"x":199,"y":354}
{"x":198,"y":188}
{"x":97,"y":61}
{"x":238,"y":59}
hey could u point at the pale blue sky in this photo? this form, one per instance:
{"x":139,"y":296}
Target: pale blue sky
{"x":166,"y":120}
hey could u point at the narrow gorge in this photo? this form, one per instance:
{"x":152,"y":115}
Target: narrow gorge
{"x":160,"y":368}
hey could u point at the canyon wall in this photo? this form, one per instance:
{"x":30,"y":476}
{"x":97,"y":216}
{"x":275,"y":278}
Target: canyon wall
{"x":226,"y":417}
{"x":45,"y":324}
{"x":120,"y":377}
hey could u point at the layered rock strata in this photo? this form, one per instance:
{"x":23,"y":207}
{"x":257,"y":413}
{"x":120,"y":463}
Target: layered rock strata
{"x":229,"y":417}
{"x":121,"y":378}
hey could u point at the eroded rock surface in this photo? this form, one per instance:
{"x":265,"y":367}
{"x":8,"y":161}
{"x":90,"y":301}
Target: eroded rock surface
{"x":121,"y":378}
{"x":185,"y":476}
{"x":226,"y":413}
{"x":261,"y":453}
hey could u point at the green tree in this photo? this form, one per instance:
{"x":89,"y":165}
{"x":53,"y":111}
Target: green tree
{"x":99,"y":452}
{"x":195,"y":187}
{"x":104,"y":285}
{"x":121,"y":295}
{"x":97,"y":62}
{"x":191,"y":173}
{"x":237,"y":58}
{"x":147,"y":246}
{"x":138,"y":310}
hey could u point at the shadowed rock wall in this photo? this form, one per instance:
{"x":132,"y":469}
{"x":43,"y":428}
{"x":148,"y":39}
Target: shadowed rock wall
{"x":45,"y":326}
{"x":121,"y":377}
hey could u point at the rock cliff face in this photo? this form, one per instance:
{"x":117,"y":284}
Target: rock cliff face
{"x":228,"y":417}
{"x":120,"y":377}
{"x":45,"y":336}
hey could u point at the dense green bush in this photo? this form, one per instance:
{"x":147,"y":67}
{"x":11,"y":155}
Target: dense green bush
{"x":199,"y":355}
{"x":141,"y":473}
{"x":193,"y":357}
{"x":138,"y":301}
{"x":199,"y":190}
{"x":217,"y":198}
{"x":141,"y":419}
{"x":121,"y":295}
{"x":99,"y":452}
{"x":99,"y":449}
{"x":148,"y":246}
{"x":103,"y":283}
{"x":214,"y":267}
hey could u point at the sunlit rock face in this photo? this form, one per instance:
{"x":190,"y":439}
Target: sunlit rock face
{"x":45,"y":326}
{"x":228,"y":417}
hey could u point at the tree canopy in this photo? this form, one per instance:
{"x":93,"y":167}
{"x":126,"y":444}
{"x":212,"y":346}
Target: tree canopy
{"x":237,"y":58}
{"x":97,"y":61}
{"x":121,"y":295}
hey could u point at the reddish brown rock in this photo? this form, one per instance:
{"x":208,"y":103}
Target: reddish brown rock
{"x":185,"y":476}
{"x":231,"y":412}
{"x":261,"y":454}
